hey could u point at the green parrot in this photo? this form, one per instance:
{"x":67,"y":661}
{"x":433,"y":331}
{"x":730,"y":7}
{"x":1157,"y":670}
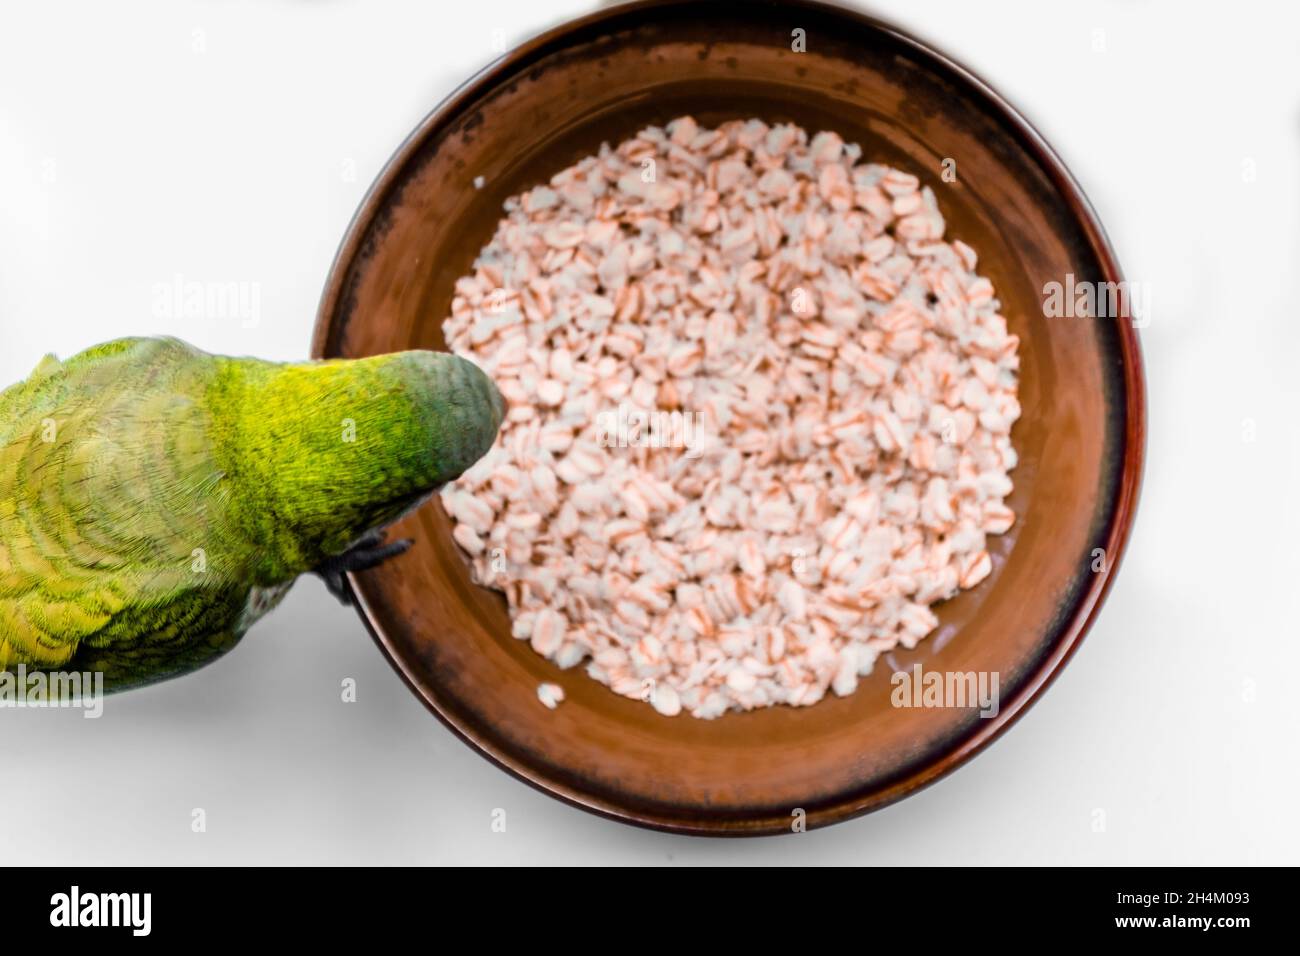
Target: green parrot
{"x":155,"y":500}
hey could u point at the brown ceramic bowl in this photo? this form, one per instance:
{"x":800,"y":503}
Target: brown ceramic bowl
{"x":601,"y":78}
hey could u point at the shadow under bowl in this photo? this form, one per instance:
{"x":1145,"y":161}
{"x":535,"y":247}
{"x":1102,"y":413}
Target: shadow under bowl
{"x":600,"y":79}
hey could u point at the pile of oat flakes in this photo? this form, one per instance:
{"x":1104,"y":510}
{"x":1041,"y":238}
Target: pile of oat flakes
{"x":854,"y":386}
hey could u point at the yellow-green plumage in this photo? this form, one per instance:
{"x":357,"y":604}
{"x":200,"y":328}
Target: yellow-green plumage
{"x":155,"y":500}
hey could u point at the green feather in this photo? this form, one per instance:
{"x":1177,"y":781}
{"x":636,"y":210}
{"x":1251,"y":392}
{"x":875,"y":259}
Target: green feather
{"x":156,"y":500}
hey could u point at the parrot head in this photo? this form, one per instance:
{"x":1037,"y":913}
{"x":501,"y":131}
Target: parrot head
{"x":320,"y":454}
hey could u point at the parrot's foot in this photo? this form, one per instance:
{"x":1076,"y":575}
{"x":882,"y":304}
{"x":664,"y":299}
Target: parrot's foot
{"x":367,"y":553}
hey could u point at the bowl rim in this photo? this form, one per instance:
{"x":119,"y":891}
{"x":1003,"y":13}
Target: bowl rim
{"x":850,"y":803}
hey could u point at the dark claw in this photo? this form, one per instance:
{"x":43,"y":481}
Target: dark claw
{"x":367,"y":553}
{"x":336,"y":584}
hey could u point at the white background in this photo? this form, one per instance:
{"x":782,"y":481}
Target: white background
{"x":232,"y":142}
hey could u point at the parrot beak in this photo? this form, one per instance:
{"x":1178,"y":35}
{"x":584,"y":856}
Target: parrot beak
{"x":468,"y":408}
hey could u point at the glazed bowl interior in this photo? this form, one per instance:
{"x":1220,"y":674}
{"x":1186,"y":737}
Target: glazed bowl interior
{"x":599,"y":80}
